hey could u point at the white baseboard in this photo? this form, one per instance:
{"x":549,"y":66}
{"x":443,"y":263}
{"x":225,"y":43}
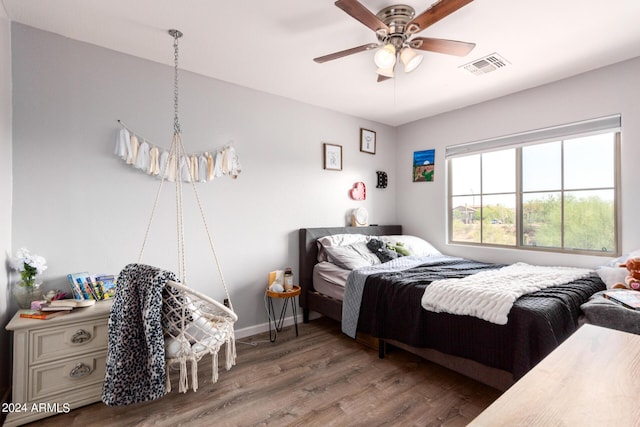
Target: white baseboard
{"x":264,"y":327}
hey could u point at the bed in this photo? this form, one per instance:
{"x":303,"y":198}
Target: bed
{"x":390,"y":310}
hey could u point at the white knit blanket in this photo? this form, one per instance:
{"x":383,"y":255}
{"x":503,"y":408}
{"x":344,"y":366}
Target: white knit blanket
{"x":489,"y":295}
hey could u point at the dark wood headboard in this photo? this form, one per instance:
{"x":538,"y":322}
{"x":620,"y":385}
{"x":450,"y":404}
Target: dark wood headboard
{"x":310,"y":300}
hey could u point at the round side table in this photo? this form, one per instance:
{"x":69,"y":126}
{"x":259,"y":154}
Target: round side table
{"x":289,"y":298}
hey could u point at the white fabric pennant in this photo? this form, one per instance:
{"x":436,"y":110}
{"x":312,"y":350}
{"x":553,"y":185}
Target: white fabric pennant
{"x":155,"y":161}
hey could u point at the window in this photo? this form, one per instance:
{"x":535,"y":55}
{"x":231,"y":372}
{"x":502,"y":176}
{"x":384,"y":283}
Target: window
{"x":553,"y":189}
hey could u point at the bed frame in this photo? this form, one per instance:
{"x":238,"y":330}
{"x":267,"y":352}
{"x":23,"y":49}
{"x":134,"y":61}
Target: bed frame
{"x":311,"y":300}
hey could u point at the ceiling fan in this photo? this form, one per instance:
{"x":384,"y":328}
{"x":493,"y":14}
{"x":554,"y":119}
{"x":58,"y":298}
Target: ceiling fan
{"x":394,"y":27}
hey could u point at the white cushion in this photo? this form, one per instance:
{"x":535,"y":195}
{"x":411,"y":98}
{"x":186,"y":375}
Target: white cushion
{"x":612,"y":275}
{"x":338,"y":240}
{"x":415,"y":245}
{"x":352,"y":256}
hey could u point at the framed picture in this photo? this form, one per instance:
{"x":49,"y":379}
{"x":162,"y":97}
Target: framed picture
{"x":332,"y":157}
{"x":423,"y":165}
{"x":367,"y":141}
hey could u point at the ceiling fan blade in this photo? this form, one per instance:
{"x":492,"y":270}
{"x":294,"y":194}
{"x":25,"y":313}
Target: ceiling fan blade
{"x":449,"y":47}
{"x":345,"y":52}
{"x":382,"y":78}
{"x":436,"y":12}
{"x":362,"y":14}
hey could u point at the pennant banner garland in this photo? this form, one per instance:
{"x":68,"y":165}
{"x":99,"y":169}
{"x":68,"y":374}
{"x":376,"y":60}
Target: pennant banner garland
{"x":153,"y":160}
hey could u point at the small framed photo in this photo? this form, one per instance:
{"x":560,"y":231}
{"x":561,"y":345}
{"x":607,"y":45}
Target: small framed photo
{"x":332,"y":157}
{"x":367,"y":141}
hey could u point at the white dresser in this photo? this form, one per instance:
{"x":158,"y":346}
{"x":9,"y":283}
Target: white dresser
{"x":58,"y":363}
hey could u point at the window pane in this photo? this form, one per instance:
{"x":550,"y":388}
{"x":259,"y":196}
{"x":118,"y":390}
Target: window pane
{"x":541,"y":167}
{"x":499,"y":172}
{"x":498,"y":219}
{"x":588,"y":162}
{"x":465,"y":223}
{"x":542,"y":220}
{"x":589,"y":220}
{"x":565,"y":187}
{"x":465,"y":175}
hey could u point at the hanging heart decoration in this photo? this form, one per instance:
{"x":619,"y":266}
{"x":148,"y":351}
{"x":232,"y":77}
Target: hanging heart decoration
{"x":359,"y":191}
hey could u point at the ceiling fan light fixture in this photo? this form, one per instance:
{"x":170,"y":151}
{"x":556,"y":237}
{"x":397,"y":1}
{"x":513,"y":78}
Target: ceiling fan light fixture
{"x":387,"y":72}
{"x":410,"y":59}
{"x":385,"y":56}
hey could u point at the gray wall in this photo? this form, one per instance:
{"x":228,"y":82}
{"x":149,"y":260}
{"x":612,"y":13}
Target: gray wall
{"x":610,"y":90}
{"x":5,"y":193}
{"x":83,"y":209}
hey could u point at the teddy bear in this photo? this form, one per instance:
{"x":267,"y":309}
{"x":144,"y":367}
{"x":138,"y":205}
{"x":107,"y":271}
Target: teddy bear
{"x":632,"y":281}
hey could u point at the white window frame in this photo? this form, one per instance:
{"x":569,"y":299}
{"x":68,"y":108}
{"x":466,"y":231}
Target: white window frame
{"x":608,"y":124}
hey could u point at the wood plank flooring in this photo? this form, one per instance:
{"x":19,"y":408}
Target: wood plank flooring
{"x":320,"y":378}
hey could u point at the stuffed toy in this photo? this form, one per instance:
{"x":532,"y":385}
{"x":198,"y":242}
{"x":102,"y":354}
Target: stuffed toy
{"x":399,"y":248}
{"x":632,"y":281}
{"x":380,"y":249}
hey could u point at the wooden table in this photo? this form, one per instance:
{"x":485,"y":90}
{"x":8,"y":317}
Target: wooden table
{"x":289,"y":297}
{"x":592,"y":379}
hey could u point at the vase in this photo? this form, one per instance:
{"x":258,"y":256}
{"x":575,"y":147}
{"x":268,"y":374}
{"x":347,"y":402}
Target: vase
{"x":25,"y":294}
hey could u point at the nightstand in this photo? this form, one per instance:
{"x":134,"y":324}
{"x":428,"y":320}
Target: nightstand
{"x":289,"y":298}
{"x":58,"y":363}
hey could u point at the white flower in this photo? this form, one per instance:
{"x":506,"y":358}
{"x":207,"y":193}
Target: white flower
{"x":38,"y":262}
{"x":24,"y":258}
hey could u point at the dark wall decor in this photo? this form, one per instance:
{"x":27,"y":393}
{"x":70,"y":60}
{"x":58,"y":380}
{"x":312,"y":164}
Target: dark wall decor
{"x":382,"y":179}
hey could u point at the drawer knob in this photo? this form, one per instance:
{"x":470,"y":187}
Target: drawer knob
{"x":81,"y":370}
{"x":80,"y":336}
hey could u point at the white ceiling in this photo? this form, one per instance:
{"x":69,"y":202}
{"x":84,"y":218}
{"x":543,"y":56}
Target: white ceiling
{"x":269,"y":46}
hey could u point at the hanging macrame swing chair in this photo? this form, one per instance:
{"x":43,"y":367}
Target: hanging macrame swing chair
{"x":193,"y":324}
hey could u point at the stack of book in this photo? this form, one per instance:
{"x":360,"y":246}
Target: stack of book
{"x":47,"y":310}
{"x":87,"y":287}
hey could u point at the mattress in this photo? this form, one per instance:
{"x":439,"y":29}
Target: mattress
{"x":329,"y":279}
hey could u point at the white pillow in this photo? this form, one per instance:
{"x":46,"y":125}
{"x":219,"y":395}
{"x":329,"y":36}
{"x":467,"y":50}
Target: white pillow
{"x":351,"y":257}
{"x":415,"y":245}
{"x":612,"y":275}
{"x":621,"y":260}
{"x":338,"y":240}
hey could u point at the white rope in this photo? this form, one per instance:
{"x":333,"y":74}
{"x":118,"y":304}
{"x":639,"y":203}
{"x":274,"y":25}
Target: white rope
{"x":155,"y":204}
{"x":214,"y":368}
{"x":213,"y":251}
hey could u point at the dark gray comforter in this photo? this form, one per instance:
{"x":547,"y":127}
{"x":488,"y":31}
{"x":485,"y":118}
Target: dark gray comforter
{"x":537,"y":324}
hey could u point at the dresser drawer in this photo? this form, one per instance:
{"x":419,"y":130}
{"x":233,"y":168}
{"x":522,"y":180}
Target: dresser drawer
{"x":66,"y":375}
{"x":69,"y":340}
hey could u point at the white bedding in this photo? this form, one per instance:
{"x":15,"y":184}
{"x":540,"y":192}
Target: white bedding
{"x":489,"y":295}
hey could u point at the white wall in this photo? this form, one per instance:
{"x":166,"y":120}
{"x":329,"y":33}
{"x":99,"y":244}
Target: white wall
{"x":83,"y":209}
{"x":5,"y":191}
{"x":610,"y":90}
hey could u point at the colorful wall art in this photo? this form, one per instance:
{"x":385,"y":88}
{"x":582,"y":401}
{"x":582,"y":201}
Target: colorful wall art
{"x":423,"y":165}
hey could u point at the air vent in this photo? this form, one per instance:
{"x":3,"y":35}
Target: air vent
{"x":486,"y":65}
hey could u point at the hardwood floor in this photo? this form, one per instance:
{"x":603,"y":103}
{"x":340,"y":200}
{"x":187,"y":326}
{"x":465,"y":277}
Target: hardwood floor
{"x":320,"y":378}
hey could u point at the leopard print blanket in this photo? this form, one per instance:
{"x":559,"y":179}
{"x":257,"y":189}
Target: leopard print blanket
{"x":136,"y":369}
